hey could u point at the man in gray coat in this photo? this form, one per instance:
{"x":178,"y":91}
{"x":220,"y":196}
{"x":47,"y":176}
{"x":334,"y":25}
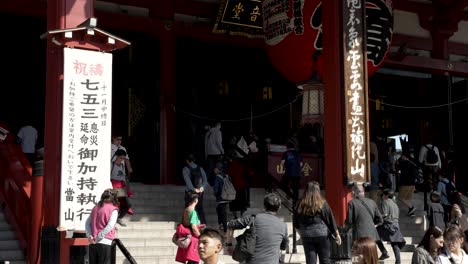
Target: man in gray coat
{"x":271,"y":232}
{"x":363,"y":215}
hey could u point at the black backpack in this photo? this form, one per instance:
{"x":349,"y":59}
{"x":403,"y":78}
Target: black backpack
{"x":431,"y":155}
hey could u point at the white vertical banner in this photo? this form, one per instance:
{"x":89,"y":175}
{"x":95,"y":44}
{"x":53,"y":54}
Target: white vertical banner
{"x":86,"y":134}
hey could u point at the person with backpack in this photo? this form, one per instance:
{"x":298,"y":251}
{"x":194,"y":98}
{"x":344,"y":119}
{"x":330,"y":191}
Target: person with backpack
{"x":223,"y":195}
{"x":429,"y":157}
{"x":448,"y":195}
{"x":195,"y":183}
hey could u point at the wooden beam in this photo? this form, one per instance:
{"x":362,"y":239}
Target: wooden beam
{"x":203,"y":32}
{"x":419,"y":43}
{"x":430,"y":65}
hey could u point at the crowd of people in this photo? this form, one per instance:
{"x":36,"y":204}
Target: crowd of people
{"x":371,"y":219}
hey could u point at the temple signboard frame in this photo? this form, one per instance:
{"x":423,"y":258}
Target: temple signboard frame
{"x":356,"y":142}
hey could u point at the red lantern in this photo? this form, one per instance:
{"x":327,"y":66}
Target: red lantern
{"x":293,"y":34}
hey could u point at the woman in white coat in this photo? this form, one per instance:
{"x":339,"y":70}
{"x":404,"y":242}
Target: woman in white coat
{"x":454,"y":254}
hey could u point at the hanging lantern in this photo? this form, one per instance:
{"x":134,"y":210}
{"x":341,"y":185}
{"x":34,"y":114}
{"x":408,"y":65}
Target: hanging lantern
{"x":293,"y":36}
{"x":312,"y":103}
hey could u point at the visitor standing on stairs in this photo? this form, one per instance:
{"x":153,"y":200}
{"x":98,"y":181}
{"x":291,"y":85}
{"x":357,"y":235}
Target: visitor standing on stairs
{"x":116,"y":144}
{"x":291,"y":161}
{"x":195,"y":183}
{"x":316,"y":224}
{"x":27,"y":137}
{"x":429,"y":247}
{"x":190,"y":225}
{"x":221,"y":204}
{"x":429,"y":157}
{"x":362,"y":215}
{"x":271,"y":232}
{"x":453,"y":254}
{"x":119,"y":182}
{"x":408,"y":169}
{"x":436,"y":213}
{"x":100,"y":227}
{"x":390,"y":229}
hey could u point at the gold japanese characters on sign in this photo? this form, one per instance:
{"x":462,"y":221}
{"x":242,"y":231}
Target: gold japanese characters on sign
{"x":240,"y":17}
{"x":306,"y":169}
{"x":355,"y":84}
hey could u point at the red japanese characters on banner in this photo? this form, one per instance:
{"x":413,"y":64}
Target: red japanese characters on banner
{"x":293,"y":34}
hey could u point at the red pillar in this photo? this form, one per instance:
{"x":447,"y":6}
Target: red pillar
{"x":167,"y":97}
{"x":336,"y":192}
{"x":36,"y":211}
{"x":60,"y":14}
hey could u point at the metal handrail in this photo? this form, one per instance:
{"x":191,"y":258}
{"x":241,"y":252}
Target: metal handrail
{"x":117,"y":242}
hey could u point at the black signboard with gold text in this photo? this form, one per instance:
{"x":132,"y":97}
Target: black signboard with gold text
{"x":240,"y":17}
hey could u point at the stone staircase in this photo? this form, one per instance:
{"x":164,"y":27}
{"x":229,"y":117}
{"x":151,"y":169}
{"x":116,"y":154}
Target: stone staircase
{"x":158,"y":209}
{"x":10,"y":249}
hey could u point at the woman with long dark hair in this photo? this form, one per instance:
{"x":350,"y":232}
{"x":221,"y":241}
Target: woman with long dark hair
{"x":315,"y":223}
{"x":429,"y":247}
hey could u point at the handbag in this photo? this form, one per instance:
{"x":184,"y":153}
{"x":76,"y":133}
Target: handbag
{"x":182,"y":242}
{"x":343,"y":251}
{"x":245,"y":246}
{"x":185,"y":239}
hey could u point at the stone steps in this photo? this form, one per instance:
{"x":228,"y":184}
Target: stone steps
{"x":10,"y":248}
{"x":158,"y":210}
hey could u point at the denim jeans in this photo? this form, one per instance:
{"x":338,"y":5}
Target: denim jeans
{"x":317,"y":245}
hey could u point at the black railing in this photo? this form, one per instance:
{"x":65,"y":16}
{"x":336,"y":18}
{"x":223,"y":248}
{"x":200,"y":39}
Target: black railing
{"x":124,"y":251}
{"x":288,"y":203}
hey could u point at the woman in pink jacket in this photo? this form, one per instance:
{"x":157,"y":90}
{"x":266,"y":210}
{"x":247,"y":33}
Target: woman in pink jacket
{"x":100,"y":227}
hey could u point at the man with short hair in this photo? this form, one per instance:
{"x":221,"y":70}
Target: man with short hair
{"x":271,"y":232}
{"x":195,"y":183}
{"x":210,"y":244}
{"x":431,"y":166}
{"x":362,"y":215}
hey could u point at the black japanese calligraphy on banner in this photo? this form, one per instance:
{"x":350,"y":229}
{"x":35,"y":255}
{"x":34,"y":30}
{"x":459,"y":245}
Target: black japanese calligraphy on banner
{"x":355,"y":83}
{"x":240,"y":17}
{"x":86,"y":134}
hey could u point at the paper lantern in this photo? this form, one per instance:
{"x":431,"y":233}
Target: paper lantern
{"x":293,"y":36}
